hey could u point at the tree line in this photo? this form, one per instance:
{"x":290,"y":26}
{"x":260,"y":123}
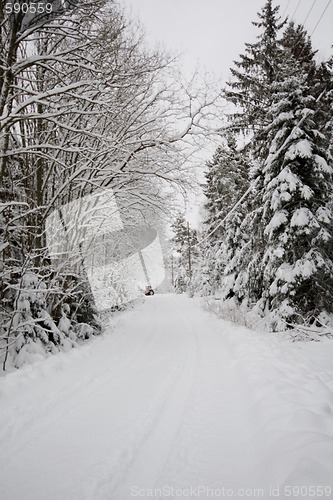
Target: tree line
{"x":85,"y":107}
{"x":266,"y":241}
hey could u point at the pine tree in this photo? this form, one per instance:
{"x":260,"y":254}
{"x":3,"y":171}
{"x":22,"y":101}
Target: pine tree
{"x":251,"y":92}
{"x":297,"y":44}
{"x":257,"y":69}
{"x":226,"y":181}
{"x":297,"y":187}
{"x":283,"y":258}
{"x":184,"y":244}
{"x":324,"y":95}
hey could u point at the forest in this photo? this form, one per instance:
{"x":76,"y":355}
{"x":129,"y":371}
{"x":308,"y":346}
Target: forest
{"x":266,"y":239}
{"x":96,"y":138}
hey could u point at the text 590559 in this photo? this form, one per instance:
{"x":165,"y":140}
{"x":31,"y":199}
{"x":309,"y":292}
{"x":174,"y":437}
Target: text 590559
{"x":28,"y":7}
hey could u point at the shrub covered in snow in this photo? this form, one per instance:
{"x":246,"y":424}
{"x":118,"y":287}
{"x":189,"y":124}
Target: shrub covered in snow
{"x":42,"y":319}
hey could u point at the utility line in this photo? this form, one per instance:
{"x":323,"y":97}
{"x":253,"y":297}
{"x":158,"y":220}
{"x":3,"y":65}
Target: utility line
{"x":315,"y":1}
{"x":299,"y":1}
{"x":285,"y":9}
{"x":314,"y":29}
{"x":228,"y":214}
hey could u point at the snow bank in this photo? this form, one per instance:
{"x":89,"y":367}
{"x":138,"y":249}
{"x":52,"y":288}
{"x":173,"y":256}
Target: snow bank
{"x":292,"y":385}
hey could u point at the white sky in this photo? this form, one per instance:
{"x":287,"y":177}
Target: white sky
{"x":213,"y":32}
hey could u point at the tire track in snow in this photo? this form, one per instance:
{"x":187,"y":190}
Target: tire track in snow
{"x":66,"y":401}
{"x":56,"y":412}
{"x":216,"y":445}
{"x":124,"y":434}
{"x":155,"y":449}
{"x":159,"y":424}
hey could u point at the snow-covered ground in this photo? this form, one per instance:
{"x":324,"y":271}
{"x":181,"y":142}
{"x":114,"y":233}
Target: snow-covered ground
{"x":171,"y":403}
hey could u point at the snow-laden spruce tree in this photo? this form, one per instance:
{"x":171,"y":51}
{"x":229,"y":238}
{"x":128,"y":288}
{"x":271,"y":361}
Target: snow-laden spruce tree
{"x":296,"y":194}
{"x":276,"y":84}
{"x":250,"y":91}
{"x":324,"y":92}
{"x":218,"y":192}
{"x":226,"y":181}
{"x":186,"y":254}
{"x":235,"y":248}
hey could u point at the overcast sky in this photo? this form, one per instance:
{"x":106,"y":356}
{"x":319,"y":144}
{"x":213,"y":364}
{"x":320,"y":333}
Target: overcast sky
{"x":213,"y":32}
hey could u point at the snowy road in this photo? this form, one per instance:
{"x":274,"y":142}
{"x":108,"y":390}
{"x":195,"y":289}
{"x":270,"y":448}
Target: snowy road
{"x":172,"y":399}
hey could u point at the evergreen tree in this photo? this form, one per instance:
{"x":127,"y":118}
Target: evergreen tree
{"x":296,"y":57}
{"x":251,"y":92}
{"x":184,"y":244}
{"x":297,"y":188}
{"x":257,"y":69}
{"x":297,"y":44}
{"x":226,"y":181}
{"x":277,"y":250}
{"x":226,"y":178}
{"x":324,"y":95}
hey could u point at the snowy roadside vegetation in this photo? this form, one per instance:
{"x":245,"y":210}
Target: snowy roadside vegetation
{"x":265,"y":245}
{"x":253,"y":319}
